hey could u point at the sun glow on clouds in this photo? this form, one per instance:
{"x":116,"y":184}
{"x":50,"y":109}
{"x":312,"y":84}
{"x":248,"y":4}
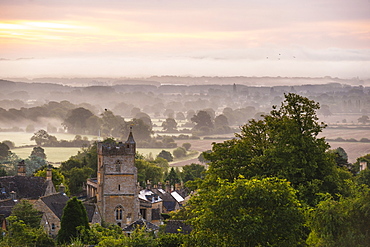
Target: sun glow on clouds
{"x":184,"y":37}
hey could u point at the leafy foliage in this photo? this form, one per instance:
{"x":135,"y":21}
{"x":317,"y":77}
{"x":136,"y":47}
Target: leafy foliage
{"x":25,"y":211}
{"x":284,"y":144}
{"x":244,"y":212}
{"x":166,"y":155}
{"x":341,"y":223}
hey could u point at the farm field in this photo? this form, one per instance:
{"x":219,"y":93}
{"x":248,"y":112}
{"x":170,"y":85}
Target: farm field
{"x":24,"y":139}
{"x":57,"y":155}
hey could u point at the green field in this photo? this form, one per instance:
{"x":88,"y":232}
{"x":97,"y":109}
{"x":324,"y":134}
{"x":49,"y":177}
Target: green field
{"x":60,"y":154}
{"x":24,"y":139}
{"x":53,"y":154}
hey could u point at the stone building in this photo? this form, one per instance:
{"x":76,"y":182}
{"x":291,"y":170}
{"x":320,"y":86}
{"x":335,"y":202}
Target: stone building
{"x":117,"y":190}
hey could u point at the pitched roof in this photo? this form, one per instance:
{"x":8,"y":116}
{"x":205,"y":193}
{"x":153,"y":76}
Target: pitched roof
{"x":25,"y":187}
{"x":177,"y":226}
{"x":90,"y":210}
{"x":56,"y":203}
{"x":6,"y":207}
{"x":140,"y":223}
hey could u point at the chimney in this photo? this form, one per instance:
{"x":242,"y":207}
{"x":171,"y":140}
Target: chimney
{"x":13,"y":195}
{"x":21,"y":168}
{"x":168,"y":186}
{"x":49,"y":173}
{"x":148,"y":187}
{"x":159,"y":185}
{"x":62,"y":189}
{"x":363,"y":165}
{"x":177,"y":186}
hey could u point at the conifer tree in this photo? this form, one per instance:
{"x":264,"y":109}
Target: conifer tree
{"x":74,"y":215}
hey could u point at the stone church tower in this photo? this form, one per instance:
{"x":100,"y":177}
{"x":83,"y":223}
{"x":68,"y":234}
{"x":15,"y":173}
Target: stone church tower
{"x":117,"y":192}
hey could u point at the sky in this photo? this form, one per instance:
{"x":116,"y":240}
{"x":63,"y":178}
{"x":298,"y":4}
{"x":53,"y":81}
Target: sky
{"x":141,"y":38}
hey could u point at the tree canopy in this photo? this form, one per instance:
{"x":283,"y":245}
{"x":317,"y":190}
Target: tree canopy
{"x":244,"y":212}
{"x":284,"y":144}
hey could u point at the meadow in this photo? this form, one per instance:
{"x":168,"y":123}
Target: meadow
{"x":57,"y":155}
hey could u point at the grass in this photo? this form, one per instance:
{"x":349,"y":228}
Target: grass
{"x":53,"y":154}
{"x":60,"y":154}
{"x":24,"y":139}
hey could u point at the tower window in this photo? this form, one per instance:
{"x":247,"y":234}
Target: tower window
{"x":118,"y":212}
{"x":119,"y":187}
{"x":118,"y":165}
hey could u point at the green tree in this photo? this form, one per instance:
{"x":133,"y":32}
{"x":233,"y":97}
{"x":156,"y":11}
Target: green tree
{"x":42,"y":138}
{"x":173,"y":177}
{"x":34,"y":163}
{"x":221,"y":121}
{"x":20,"y":234}
{"x":4,"y":150}
{"x":364,"y":119}
{"x":76,"y":120}
{"x":202,"y":119}
{"x":25,"y":211}
{"x":76,"y":177}
{"x":284,"y":144}
{"x":165,"y":155}
{"x":169,"y":125}
{"x":112,"y":124}
{"x":201,"y":157}
{"x":57,"y":176}
{"x":10,"y":144}
{"x":74,"y":215}
{"x":39,"y":152}
{"x":140,"y":130}
{"x":179,"y":152}
{"x":147,"y":170}
{"x":186,"y":145}
{"x":341,"y":223}
{"x":244,"y":212}
{"x":191,"y":172}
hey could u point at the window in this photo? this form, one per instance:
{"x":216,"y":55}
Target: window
{"x":143,"y":213}
{"x":118,"y":212}
{"x":118,"y":166}
{"x":119,"y":187}
{"x":52,"y":226}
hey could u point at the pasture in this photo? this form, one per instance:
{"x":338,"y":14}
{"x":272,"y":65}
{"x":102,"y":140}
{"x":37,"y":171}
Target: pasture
{"x":57,"y":155}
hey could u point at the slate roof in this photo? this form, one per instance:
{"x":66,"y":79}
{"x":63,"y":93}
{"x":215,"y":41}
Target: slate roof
{"x":169,"y":202}
{"x":90,"y":210}
{"x":149,"y":196}
{"x":177,"y":226}
{"x":56,"y":203}
{"x":6,"y":207}
{"x":25,"y":187}
{"x":140,"y":223}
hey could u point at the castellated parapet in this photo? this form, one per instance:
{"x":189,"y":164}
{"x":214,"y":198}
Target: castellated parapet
{"x":109,"y":149}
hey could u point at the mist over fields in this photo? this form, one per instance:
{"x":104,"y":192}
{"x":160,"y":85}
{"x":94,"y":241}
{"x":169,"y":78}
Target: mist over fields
{"x":46,"y":103}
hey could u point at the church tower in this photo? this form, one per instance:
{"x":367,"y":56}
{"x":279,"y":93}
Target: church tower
{"x":117,"y":196}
